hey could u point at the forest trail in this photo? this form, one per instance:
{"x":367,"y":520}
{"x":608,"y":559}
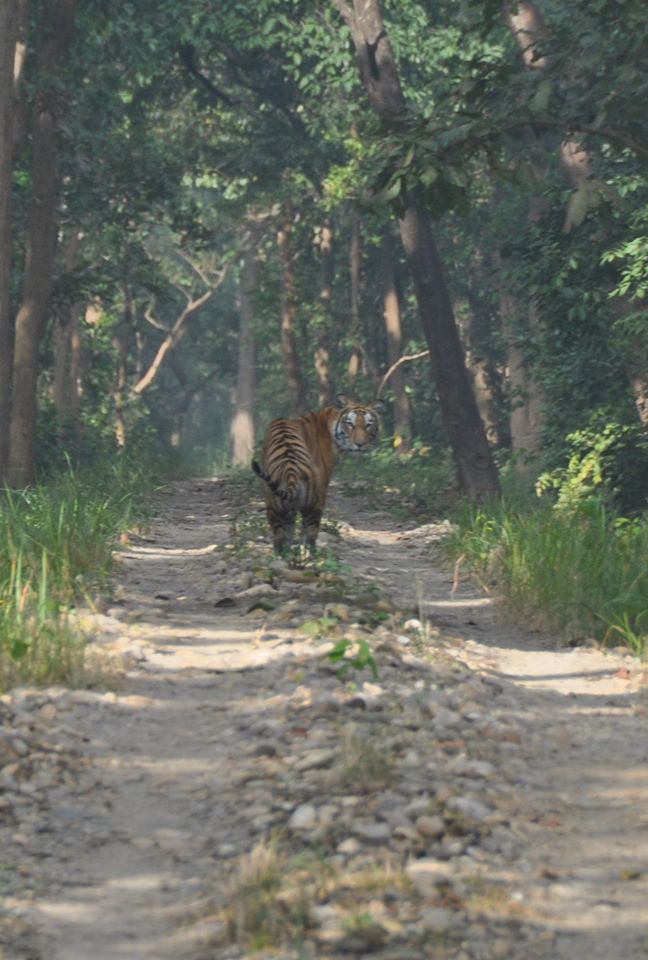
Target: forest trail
{"x":484,"y":797}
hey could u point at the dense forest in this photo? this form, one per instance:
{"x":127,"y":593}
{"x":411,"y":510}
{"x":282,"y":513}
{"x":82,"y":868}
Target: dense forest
{"x":216,"y":213}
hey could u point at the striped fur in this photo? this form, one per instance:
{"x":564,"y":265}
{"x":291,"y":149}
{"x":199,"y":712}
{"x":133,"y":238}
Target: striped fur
{"x":298,"y":459}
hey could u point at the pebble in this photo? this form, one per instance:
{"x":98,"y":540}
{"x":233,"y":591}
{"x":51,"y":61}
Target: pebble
{"x":371,"y":832}
{"x":303,"y":818}
{"x":469,"y":807}
{"x":439,"y":920}
{"x":432,"y":826}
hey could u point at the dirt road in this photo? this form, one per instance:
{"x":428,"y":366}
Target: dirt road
{"x":485,"y":796}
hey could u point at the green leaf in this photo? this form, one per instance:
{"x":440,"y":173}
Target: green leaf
{"x":19,"y":649}
{"x":339,"y":650}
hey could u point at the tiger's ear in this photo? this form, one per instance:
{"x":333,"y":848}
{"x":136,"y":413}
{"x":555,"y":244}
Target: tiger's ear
{"x":341,"y":401}
{"x":379,"y":405}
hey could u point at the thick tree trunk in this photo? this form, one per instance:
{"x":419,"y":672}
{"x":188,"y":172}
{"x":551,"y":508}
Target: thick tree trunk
{"x":322,"y":351}
{"x":296,"y":389}
{"x":392,"y":318}
{"x":30,"y":319}
{"x":242,"y":426}
{"x":40,"y":250}
{"x":8,"y":37}
{"x":476,"y":469}
{"x":473,"y":457}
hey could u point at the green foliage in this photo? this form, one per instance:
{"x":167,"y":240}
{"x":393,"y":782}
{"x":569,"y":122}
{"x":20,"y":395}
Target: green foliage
{"x":611,"y":460}
{"x":353,"y":654}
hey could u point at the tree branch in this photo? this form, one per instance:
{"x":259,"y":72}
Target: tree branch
{"x":189,"y":62}
{"x":152,"y":319}
{"x":175,"y":333}
{"x":394,"y":367}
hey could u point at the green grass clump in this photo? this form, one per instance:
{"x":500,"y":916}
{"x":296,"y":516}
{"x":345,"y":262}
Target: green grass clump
{"x":56,"y":549}
{"x":579,"y":570}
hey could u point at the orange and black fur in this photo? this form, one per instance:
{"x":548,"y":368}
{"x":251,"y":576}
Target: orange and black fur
{"x":298,"y":458}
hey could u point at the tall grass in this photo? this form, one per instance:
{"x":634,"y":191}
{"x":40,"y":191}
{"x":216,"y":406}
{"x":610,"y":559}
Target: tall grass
{"x":56,"y":549}
{"x":581,"y":570}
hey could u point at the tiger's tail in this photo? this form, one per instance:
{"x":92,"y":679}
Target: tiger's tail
{"x":274,"y":486}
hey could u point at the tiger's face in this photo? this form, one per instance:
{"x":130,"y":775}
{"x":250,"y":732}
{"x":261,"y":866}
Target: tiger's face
{"x":356,"y":427}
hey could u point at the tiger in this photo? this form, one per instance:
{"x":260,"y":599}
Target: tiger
{"x":298,"y":459}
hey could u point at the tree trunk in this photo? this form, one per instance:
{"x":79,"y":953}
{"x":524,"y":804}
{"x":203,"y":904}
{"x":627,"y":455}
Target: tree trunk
{"x":20,"y":120}
{"x":635,"y":354}
{"x":392,"y":318}
{"x":476,"y":469}
{"x":355,"y":360}
{"x":296,"y":389}
{"x":75,"y":374}
{"x":121,"y":341}
{"x":487,"y":376}
{"x":529,"y":29}
{"x":526,"y":398}
{"x":322,"y":352}
{"x":66,"y":331}
{"x":40,"y":249}
{"x":242,"y":426}
{"x":30,"y":319}
{"x":8,"y":37}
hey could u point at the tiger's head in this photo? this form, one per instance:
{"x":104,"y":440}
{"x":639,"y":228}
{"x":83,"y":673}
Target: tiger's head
{"x":356,"y":426}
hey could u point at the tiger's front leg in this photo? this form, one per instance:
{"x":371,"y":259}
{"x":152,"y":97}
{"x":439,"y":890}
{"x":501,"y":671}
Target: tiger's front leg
{"x":311,"y":518}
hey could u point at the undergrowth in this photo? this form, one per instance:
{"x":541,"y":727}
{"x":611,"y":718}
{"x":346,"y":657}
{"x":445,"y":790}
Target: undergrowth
{"x":418,"y":483}
{"x":580,"y":570}
{"x":56,"y":550}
